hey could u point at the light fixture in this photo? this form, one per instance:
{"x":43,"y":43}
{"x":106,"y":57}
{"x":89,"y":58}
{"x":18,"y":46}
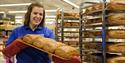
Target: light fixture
{"x":25,"y":11}
{"x":2,"y":12}
{"x":17,"y":11}
{"x":20,"y":4}
{"x":50,"y":10}
{"x":73,"y":4}
{"x":50,"y":17}
{"x":18,"y":17}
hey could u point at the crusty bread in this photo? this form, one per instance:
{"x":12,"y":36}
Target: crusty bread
{"x":51,"y":46}
{"x":116,"y":6}
{"x":66,"y":52}
{"x":118,"y":47}
{"x":113,"y":6}
{"x":40,"y":42}
{"x":30,"y":37}
{"x":118,"y":18}
{"x":119,"y":59}
{"x":117,"y":1}
{"x":118,"y":34}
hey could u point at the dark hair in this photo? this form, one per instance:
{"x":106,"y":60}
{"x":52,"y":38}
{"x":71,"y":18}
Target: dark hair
{"x":28,"y":13}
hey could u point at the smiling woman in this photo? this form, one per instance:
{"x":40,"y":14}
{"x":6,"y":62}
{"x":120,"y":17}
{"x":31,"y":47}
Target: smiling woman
{"x":33,"y":24}
{"x":36,"y":17}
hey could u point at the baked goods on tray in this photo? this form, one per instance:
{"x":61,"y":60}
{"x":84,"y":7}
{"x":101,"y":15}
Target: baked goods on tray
{"x":66,"y":52}
{"x":112,"y":6}
{"x":95,"y":46}
{"x":50,"y":46}
{"x":30,"y":37}
{"x":67,"y":15}
{"x":93,"y":8}
{"x":116,"y":34}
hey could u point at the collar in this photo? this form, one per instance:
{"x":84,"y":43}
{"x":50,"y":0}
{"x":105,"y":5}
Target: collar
{"x":38,"y":28}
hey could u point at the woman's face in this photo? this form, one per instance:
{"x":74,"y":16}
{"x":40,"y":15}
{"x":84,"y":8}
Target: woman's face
{"x":36,"y":16}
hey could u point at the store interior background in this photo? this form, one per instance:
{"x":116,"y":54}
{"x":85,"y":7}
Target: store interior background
{"x":13,"y":11}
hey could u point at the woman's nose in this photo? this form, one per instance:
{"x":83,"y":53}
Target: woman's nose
{"x":38,"y":15}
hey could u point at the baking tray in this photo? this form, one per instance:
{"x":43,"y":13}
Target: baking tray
{"x":43,"y":50}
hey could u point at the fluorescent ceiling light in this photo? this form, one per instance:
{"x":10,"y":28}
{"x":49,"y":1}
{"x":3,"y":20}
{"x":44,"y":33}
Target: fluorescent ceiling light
{"x":16,"y":11}
{"x":50,"y":16}
{"x":50,"y":10}
{"x":26,"y":11}
{"x":18,"y":17}
{"x":2,"y":12}
{"x":69,"y":2}
{"x":21,"y":4}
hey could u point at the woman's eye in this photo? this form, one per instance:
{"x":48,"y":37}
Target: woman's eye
{"x":40,"y":14}
{"x":35,"y":13}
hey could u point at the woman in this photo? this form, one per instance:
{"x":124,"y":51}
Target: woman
{"x":33,"y":24}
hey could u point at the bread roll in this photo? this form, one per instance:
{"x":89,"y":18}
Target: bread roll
{"x":66,"y":52}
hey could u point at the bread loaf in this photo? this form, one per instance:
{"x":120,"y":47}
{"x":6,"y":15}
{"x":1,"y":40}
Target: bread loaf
{"x":120,"y":59}
{"x":50,"y":45}
{"x":93,"y":8}
{"x":95,"y":46}
{"x":66,"y":52}
{"x":117,"y":1}
{"x":67,"y":15}
{"x":118,"y":47}
{"x":118,"y":34}
{"x":40,"y":42}
{"x":117,"y":18}
{"x":115,"y":6}
{"x":30,"y":37}
{"x":67,"y":24}
{"x":92,"y":21}
{"x":92,"y":59}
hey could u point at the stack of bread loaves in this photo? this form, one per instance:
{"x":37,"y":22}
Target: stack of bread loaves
{"x":51,"y":46}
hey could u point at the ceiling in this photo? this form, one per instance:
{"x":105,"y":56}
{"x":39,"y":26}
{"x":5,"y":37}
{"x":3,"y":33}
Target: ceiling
{"x":48,"y":4}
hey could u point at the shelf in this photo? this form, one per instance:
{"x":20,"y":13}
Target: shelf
{"x":116,"y":53}
{"x":5,"y":30}
{"x":70,"y":18}
{"x":68,"y":26}
{"x":93,"y":37}
{"x":91,"y":50}
{"x":70,"y":36}
{"x":70,"y":32}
